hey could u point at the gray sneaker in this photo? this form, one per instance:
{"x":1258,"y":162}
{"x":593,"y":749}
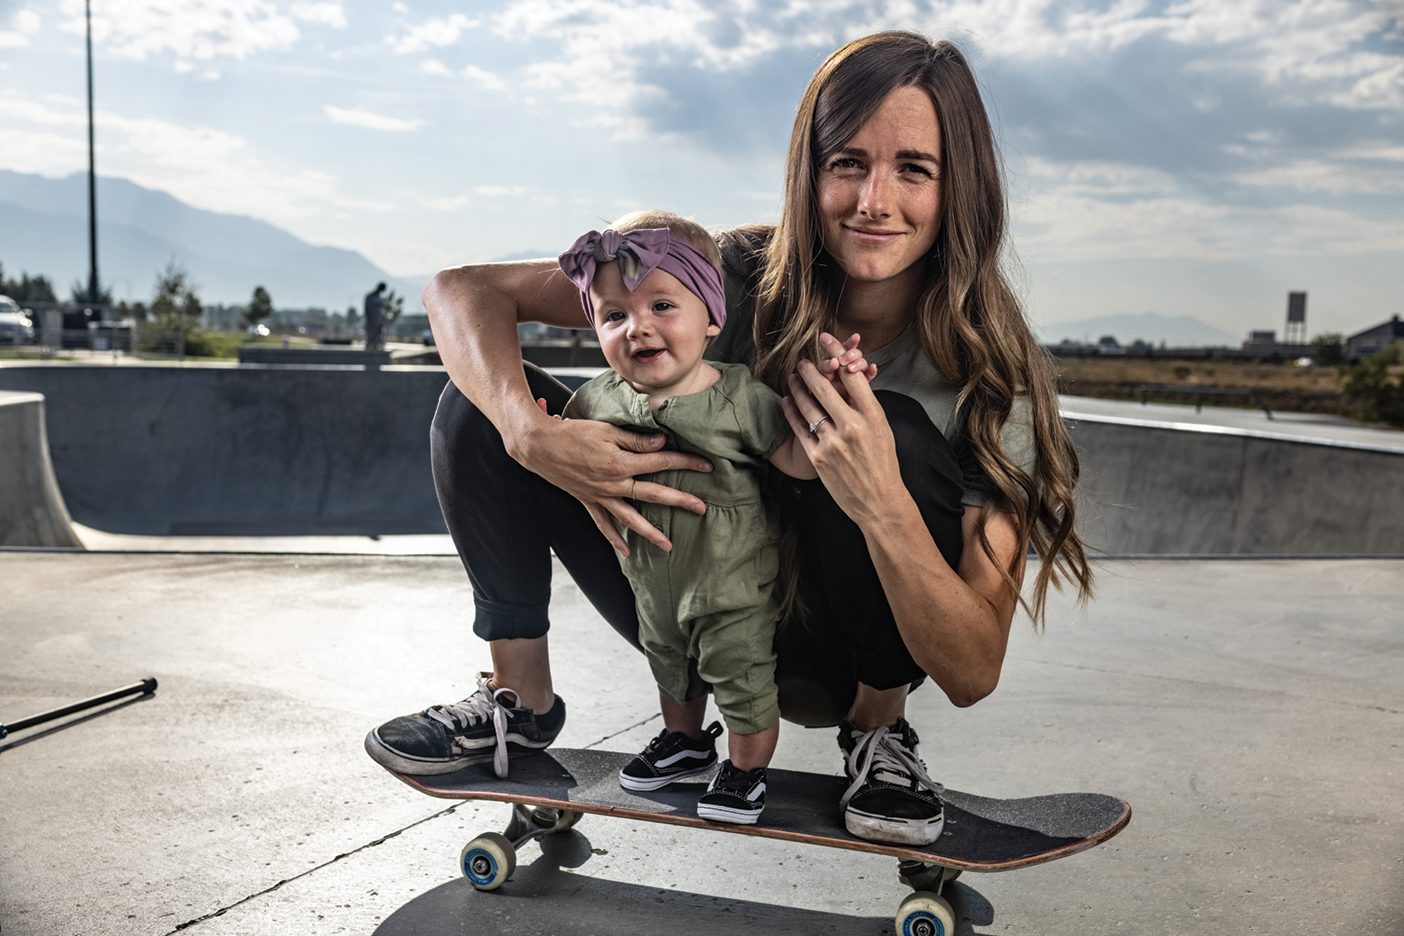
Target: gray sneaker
{"x":486,"y":726}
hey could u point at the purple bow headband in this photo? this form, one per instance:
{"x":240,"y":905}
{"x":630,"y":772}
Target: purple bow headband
{"x":640,"y":253}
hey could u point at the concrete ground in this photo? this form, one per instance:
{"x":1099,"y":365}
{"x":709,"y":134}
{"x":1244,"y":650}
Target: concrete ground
{"x":1251,"y":711}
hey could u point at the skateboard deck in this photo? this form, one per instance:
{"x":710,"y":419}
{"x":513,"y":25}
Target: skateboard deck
{"x":980,"y":833}
{"x":551,"y":791}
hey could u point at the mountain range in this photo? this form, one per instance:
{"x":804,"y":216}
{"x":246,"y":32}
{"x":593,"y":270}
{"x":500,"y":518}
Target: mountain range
{"x":44,"y":230}
{"x":1176,"y":331}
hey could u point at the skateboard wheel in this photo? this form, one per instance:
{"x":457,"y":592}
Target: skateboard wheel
{"x":488,"y":861}
{"x":925,"y":914}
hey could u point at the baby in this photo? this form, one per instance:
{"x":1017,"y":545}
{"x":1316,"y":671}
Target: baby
{"x":652,"y":289}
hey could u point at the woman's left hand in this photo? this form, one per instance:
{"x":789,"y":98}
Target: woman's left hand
{"x":852,"y":447}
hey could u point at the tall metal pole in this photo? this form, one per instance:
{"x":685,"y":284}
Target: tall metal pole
{"x":93,"y":293}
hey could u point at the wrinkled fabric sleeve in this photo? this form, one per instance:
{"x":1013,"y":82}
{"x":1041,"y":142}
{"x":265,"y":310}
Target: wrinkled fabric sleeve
{"x":594,"y":400}
{"x":1017,"y":439}
{"x":762,"y":421}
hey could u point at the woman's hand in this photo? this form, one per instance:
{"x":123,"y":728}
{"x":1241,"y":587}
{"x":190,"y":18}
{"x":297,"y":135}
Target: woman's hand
{"x":598,"y":464}
{"x":852,"y":447}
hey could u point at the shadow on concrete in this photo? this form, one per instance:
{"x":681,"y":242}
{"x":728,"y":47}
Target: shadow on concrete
{"x":541,"y":899}
{"x":78,"y":720}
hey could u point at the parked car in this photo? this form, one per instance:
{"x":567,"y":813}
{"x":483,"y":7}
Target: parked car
{"x":16,"y":327}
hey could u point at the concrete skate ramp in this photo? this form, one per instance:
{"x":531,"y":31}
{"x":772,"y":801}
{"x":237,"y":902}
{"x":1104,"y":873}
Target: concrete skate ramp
{"x":222,"y":450}
{"x":202,"y":450}
{"x":1154,"y":490}
{"x":32,"y":512}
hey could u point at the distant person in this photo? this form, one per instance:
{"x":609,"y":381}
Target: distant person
{"x":375,"y":318}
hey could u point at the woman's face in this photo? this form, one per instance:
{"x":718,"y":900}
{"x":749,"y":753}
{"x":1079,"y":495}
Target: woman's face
{"x":879,"y":196}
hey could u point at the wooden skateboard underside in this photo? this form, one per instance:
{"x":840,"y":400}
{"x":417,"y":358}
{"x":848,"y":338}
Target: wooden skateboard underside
{"x":981,"y":834}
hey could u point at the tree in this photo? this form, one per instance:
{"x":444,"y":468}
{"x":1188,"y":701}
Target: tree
{"x":1373,"y":390}
{"x":79,"y":291}
{"x":175,"y":310}
{"x":27,"y":288}
{"x":1328,"y":348}
{"x":260,"y":307}
{"x":393,"y":307}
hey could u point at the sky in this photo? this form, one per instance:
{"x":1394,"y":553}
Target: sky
{"x":1194,"y":157}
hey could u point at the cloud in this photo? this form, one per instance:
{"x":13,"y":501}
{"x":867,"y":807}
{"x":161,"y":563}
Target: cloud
{"x":1064,"y":224}
{"x":325,"y":14}
{"x":201,"y":166}
{"x":616,"y":58}
{"x":483,"y":78}
{"x":189,"y":30}
{"x":478,"y":76}
{"x":434,"y":33}
{"x":356,"y":117}
{"x":23,"y":25}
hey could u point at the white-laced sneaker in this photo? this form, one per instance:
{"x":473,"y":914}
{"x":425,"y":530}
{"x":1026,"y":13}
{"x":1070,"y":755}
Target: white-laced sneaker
{"x":485,"y":726}
{"x":890,"y":797}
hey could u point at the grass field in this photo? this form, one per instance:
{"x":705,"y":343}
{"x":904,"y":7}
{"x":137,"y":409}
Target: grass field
{"x":1285,"y":387}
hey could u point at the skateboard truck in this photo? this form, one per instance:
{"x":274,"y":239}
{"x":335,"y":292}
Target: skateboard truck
{"x":489,"y":860}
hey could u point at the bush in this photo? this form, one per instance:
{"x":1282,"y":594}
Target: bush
{"x":1374,"y":391}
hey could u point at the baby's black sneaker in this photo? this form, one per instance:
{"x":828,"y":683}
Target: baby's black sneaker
{"x":669,"y":757}
{"x":734,"y":795}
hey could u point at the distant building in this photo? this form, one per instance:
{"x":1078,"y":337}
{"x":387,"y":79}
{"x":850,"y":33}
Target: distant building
{"x":1374,"y":340}
{"x":1260,"y":337}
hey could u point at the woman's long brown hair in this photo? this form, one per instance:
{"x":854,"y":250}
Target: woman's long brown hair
{"x":970,"y":322}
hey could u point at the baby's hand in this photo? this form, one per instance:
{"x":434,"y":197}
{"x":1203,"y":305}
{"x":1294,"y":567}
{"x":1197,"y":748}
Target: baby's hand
{"x":541,"y":403}
{"x":843,"y":356}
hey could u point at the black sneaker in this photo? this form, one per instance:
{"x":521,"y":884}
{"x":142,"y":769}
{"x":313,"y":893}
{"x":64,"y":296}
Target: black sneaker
{"x":671,"y":756}
{"x":734,"y":795}
{"x":444,"y":738}
{"x":890,"y":798}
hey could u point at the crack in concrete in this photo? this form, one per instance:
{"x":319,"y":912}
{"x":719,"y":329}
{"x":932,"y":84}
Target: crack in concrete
{"x":296,"y":877}
{"x":627,"y":728}
{"x":380,"y":841}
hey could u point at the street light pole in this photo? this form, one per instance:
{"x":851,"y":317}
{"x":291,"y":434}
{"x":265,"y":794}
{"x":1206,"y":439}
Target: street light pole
{"x":93,"y":293}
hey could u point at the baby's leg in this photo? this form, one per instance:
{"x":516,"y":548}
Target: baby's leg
{"x":749,"y":751}
{"x":684,"y":717}
{"x":735,"y":657}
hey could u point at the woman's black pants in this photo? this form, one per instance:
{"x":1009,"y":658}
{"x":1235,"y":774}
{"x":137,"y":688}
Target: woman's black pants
{"x":506,"y":522}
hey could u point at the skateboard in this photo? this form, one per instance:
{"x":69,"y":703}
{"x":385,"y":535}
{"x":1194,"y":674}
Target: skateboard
{"x":551,"y":791}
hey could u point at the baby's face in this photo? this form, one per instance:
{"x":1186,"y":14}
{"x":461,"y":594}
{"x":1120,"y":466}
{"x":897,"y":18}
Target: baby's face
{"x":654,"y":336}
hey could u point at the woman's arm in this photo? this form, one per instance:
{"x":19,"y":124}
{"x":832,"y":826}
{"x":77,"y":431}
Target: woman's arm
{"x":474,"y":311}
{"x":955,"y":622}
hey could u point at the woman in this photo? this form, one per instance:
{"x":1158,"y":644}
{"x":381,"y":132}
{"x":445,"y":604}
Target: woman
{"x":934,"y":482}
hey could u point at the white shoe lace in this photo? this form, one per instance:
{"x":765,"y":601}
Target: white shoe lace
{"x":882,"y":754}
{"x":477,"y":708}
